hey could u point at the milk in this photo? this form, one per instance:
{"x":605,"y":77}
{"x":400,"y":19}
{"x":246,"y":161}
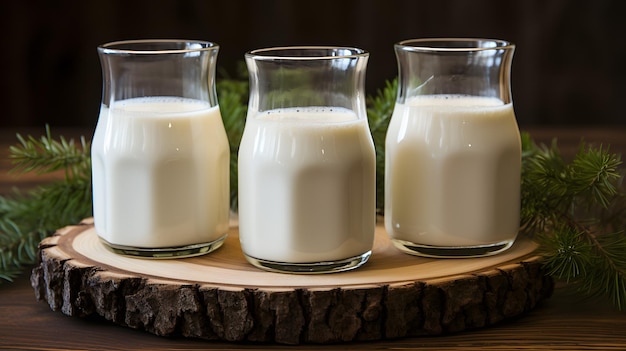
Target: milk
{"x":160,"y":179}
{"x":452,"y":172}
{"x":306,"y":185}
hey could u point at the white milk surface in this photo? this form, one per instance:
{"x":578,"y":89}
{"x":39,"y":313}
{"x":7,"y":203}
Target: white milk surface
{"x":452,"y":171}
{"x":160,"y":179}
{"x":306,"y":186}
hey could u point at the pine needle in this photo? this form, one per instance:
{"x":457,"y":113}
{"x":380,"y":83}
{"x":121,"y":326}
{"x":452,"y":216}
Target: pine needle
{"x":27,"y":218}
{"x":575,"y":211}
{"x":46,"y":155}
{"x":379,"y":112}
{"x":233,"y":97}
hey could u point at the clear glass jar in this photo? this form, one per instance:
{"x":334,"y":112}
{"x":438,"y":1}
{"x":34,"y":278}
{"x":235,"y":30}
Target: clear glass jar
{"x":160,"y":154}
{"x":453,"y":150}
{"x":306,"y":161}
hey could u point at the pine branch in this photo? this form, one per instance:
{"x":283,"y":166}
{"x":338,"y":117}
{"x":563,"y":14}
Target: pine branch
{"x":27,"y":218}
{"x":594,"y":171}
{"x":233,"y":98}
{"x":17,"y":248}
{"x":47,"y":155}
{"x":567,"y":207}
{"x":379,"y":111}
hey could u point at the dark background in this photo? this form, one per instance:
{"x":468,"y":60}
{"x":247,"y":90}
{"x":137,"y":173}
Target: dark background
{"x":568,"y":69}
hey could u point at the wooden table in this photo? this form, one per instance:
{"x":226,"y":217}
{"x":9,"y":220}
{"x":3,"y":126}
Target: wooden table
{"x":564,"y":322}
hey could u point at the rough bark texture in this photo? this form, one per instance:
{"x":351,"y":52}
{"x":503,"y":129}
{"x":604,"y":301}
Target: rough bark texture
{"x":293,"y":315}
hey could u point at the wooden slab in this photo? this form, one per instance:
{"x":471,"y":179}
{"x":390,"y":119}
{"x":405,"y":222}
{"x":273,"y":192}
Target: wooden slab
{"x":220,"y":296}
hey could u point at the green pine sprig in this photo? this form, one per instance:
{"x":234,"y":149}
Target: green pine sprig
{"x":379,"y":110}
{"x":47,"y":155}
{"x":27,"y":218}
{"x":575,"y":210}
{"x":233,"y":102}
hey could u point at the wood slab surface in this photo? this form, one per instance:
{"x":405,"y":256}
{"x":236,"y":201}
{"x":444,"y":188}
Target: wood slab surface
{"x":220,"y":296}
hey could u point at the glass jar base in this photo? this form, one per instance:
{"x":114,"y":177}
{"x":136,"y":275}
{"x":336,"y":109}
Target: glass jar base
{"x":310,"y":268}
{"x":169,"y":252}
{"x":452,"y":251}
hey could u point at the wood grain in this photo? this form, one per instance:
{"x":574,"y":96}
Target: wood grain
{"x":221,"y":297}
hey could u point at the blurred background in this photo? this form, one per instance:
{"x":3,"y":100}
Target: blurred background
{"x":568,"y":69}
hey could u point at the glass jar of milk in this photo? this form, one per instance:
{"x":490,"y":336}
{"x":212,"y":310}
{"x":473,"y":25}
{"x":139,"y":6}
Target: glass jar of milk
{"x":306,"y":161}
{"x":160,"y":155}
{"x":453,"y":151}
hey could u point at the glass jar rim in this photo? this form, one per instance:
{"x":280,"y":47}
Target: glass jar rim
{"x":156,"y":46}
{"x":454,"y":44}
{"x":306,"y":53}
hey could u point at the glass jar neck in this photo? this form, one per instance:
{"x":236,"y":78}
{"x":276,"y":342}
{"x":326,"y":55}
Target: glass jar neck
{"x":472,"y":67}
{"x":146,"y":68}
{"x":291,"y":77}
